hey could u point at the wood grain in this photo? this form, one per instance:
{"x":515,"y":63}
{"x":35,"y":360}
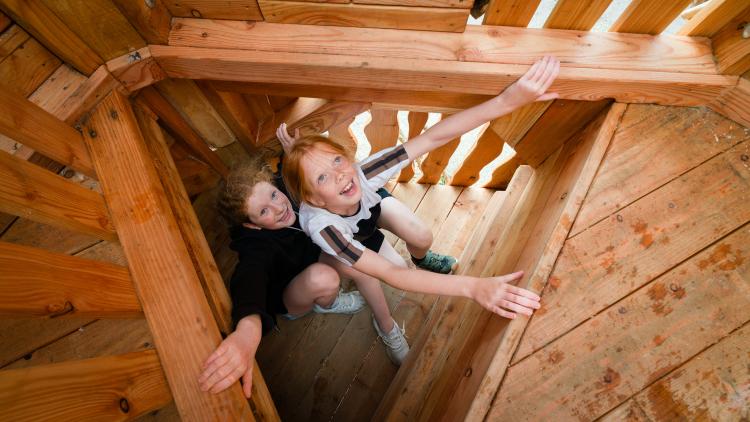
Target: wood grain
{"x":38,"y":283}
{"x":735,"y":103}
{"x":114,"y":387}
{"x":576,"y":14}
{"x":435,"y":162}
{"x":45,"y":26}
{"x":151,"y":22}
{"x":160,"y":265}
{"x":417,"y":121}
{"x":382,"y":131}
{"x":365,"y":15}
{"x":731,"y":49}
{"x":504,"y":172}
{"x":85,"y":96}
{"x":27,"y":67}
{"x":461,"y":4}
{"x":714,"y":16}
{"x":216,"y":9}
{"x":32,"y":192}
{"x":485,"y":44}
{"x":511,"y":12}
{"x":136,"y":69}
{"x":433,"y":75}
{"x":647,"y":17}
{"x":235,"y":112}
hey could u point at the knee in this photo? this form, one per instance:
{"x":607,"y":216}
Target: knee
{"x":422,"y":236}
{"x":323,"y":277}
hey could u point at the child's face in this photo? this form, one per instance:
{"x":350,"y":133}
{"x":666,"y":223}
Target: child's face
{"x":268,"y":208}
{"x":332,"y":180}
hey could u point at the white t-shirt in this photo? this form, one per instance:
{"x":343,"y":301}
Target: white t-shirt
{"x":333,"y":233}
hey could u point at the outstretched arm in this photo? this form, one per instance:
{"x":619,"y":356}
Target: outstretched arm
{"x":532,"y":86}
{"x":234,"y":358}
{"x":496,"y":294}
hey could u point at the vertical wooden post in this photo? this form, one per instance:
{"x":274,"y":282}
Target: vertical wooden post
{"x":178,"y":314}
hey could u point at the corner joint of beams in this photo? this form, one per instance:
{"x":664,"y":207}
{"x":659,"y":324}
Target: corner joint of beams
{"x":135,"y":70}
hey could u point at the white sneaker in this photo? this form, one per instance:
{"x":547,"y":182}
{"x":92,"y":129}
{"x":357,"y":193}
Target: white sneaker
{"x":345,"y":303}
{"x":396,"y":346}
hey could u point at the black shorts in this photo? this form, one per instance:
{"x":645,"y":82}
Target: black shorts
{"x":368,"y":234}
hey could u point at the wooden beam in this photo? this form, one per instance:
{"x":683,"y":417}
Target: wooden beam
{"x":504,"y":172}
{"x":576,"y":14}
{"x":27,"y":65}
{"x":215,"y":9}
{"x":151,"y":19}
{"x":86,"y":96}
{"x":38,"y":283}
{"x":731,"y":48}
{"x":417,"y":121}
{"x":382,"y":130}
{"x":343,"y":134}
{"x":384,"y":98}
{"x":32,"y":192}
{"x":365,"y":15}
{"x":4,"y":21}
{"x":31,"y":125}
{"x":213,"y":286}
{"x":45,"y":26}
{"x":461,"y":4}
{"x":735,"y":103}
{"x":136,"y":70}
{"x":510,"y":12}
{"x":433,"y":75}
{"x":648,"y":17}
{"x":172,"y":119}
{"x":714,"y":16}
{"x":169,"y":289}
{"x":487,"y":148}
{"x":112,"y":388}
{"x":479,"y":44}
{"x":235,"y":111}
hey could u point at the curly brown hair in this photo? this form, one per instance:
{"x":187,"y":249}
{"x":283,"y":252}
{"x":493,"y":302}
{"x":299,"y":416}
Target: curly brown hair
{"x":238,"y":186}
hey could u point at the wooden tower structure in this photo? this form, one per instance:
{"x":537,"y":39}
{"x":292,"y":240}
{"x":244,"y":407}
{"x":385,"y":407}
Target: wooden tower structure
{"x":625,"y":202}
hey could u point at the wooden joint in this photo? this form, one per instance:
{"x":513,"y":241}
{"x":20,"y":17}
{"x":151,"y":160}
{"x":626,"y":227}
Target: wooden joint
{"x":136,"y":70}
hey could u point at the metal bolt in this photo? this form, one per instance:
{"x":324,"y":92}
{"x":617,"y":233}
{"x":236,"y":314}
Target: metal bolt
{"x":746,"y":31}
{"x":150,"y":3}
{"x":468,"y":372}
{"x":608,"y":378}
{"x":124,"y":405}
{"x":674,"y":287}
{"x":619,"y":218}
{"x":92,"y":133}
{"x":564,"y":195}
{"x":113,"y":114}
{"x":672,"y":205}
{"x":744,"y":157}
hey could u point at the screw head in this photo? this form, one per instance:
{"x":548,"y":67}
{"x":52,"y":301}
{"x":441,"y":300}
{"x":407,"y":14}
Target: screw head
{"x":92,"y":133}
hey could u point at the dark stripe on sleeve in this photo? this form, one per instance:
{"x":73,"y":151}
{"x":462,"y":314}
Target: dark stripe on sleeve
{"x":385,"y":162}
{"x":343,"y":248}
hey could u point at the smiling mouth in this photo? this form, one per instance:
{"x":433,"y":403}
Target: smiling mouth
{"x":349,"y":188}
{"x":286,"y":214}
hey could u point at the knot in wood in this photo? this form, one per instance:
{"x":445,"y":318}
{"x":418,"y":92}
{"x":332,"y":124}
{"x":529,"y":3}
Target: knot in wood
{"x":124,"y":405}
{"x":204,"y":34}
{"x":564,"y":195}
{"x":57,"y":310}
{"x":195,"y":13}
{"x":92,"y":133}
{"x":468,"y":372}
{"x":607,"y":378}
{"x":671,"y":205}
{"x":622,"y":310}
{"x":619,"y":218}
{"x":113,"y":114}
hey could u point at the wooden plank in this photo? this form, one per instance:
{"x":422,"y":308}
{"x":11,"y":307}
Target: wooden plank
{"x":196,"y":176}
{"x":433,"y":165}
{"x":732,"y":50}
{"x":85,"y":96}
{"x":259,"y":104}
{"x":159,"y":262}
{"x":100,"y":24}
{"x":461,"y":4}
{"x":192,"y":234}
{"x":136,"y":70}
{"x":714,"y":16}
{"x":45,"y":26}
{"x":546,"y":228}
{"x":343,"y":134}
{"x":561,"y":121}
{"x":420,"y":101}
{"x":735,"y":103}
{"x":433,"y":75}
{"x":504,"y":172}
{"x":484,"y":44}
{"x":57,"y":88}
{"x":40,"y":283}
{"x":631,"y":245}
{"x":215,"y":9}
{"x":576,"y":14}
{"x":173,"y":120}
{"x":11,"y":39}
{"x":189,"y":101}
{"x":678,"y":139}
{"x":235,"y":112}
{"x":417,"y":120}
{"x":114,"y":387}
{"x":648,"y":334}
{"x":512,"y":127}
{"x":364,"y":15}
{"x":32,"y":192}
{"x":27,"y":67}
{"x":510,"y":13}
{"x":30,"y":124}
{"x":4,"y":21}
{"x":701,"y":388}
{"x":382,"y":131}
{"x":647,"y":17}
{"x":487,"y":148}
{"x":151,"y":20}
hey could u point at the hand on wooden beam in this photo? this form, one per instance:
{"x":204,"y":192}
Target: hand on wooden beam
{"x":499,"y":296}
{"x":533,"y":85}
{"x":286,"y":140}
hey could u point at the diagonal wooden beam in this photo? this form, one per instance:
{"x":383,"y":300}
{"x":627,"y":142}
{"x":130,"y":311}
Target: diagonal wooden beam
{"x":38,"y":283}
{"x":166,"y":281}
{"x":648,"y":17}
{"x":576,"y":14}
{"x":510,"y":12}
{"x":109,"y":388}
{"x":731,"y":48}
{"x":712,"y":18}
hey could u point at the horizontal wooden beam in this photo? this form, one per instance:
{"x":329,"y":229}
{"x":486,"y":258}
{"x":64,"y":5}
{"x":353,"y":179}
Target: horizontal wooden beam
{"x":36,"y":283}
{"x":479,"y":44}
{"x":36,"y":128}
{"x":628,"y":86}
{"x":108,"y":388}
{"x":29,"y":191}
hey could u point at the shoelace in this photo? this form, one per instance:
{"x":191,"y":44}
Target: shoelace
{"x":390,"y":342}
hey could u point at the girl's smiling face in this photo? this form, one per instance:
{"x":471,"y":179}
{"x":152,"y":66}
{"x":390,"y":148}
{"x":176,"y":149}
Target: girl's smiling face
{"x":332,"y":180}
{"x":268,"y":208}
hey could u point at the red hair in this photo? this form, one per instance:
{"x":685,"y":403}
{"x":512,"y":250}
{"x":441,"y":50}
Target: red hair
{"x":294,"y":176}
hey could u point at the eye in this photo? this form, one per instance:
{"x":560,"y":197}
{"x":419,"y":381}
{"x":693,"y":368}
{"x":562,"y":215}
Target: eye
{"x":263,"y":212}
{"x":337,"y":160}
{"x":321,"y":178}
{"x":274,"y":195}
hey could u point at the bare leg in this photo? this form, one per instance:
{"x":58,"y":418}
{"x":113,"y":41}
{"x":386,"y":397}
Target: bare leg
{"x":369,"y":287}
{"x":317,"y":284}
{"x":401,"y":221}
